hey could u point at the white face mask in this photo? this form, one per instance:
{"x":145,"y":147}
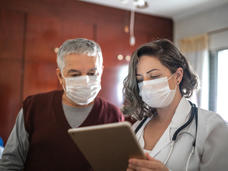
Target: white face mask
{"x":156,"y":93}
{"x":82,"y":90}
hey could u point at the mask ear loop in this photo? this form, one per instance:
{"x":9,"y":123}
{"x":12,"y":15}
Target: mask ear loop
{"x":170,"y":78}
{"x":64,"y":79}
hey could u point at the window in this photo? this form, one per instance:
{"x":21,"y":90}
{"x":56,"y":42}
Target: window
{"x":222,"y":84}
{"x":219,"y":83}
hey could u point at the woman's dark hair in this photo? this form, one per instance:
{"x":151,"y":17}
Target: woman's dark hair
{"x":166,"y":52}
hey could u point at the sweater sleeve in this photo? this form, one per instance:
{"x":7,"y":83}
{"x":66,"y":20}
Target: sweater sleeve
{"x":215,"y":151}
{"x":15,"y":151}
{"x":119,"y":114}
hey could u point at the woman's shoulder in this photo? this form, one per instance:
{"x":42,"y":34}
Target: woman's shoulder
{"x":212,"y":140}
{"x":140,"y":123}
{"x":210,"y":119}
{"x":135,"y":124}
{"x":210,"y":122}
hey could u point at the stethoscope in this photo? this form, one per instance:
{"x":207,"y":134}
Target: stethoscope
{"x":194,"y":114}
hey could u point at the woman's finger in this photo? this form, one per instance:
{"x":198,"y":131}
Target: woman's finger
{"x":149,"y":164}
{"x":149,"y":157}
{"x":135,"y":168}
{"x":135,"y":163}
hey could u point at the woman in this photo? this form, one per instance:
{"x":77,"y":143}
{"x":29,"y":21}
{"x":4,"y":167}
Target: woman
{"x":174,"y":134}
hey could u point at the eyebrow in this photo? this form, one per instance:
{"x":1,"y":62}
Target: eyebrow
{"x":93,"y":69}
{"x":77,"y":71}
{"x":148,"y":71}
{"x":73,"y":71}
{"x":151,"y":70}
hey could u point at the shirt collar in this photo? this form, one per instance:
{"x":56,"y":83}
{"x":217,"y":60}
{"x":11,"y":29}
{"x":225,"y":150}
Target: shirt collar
{"x":180,"y":117}
{"x":181,"y":114}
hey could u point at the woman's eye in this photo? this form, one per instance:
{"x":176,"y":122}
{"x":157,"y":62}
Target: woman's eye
{"x":154,"y":77}
{"x":139,"y":80}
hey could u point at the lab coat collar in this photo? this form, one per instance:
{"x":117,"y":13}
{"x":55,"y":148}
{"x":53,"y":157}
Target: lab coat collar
{"x":182,"y":113}
{"x":162,"y":143}
{"x":180,"y":117}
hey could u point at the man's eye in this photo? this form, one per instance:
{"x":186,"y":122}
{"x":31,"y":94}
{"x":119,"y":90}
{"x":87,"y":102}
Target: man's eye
{"x":74,"y":75}
{"x":91,"y":74}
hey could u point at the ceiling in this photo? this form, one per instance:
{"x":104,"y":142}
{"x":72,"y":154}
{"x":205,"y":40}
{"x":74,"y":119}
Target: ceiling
{"x":175,"y":9}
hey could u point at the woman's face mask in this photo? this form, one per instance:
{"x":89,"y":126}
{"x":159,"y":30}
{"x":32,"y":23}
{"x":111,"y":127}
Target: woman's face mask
{"x":82,"y":90}
{"x":156,"y":93}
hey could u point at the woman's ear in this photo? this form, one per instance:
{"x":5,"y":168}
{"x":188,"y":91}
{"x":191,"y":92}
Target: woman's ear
{"x":179,"y":73}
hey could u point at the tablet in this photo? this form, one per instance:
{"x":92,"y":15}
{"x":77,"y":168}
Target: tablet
{"x":107,"y":147}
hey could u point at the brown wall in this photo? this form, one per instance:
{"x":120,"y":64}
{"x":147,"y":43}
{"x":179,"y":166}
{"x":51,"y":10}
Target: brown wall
{"x":31,"y":29}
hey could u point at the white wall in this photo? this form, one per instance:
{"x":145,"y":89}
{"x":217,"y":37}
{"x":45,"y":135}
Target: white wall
{"x":203,"y":22}
{"x":218,"y":41}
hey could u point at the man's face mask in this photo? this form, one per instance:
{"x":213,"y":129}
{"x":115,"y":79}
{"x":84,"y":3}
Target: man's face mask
{"x":156,"y":93}
{"x":82,"y":90}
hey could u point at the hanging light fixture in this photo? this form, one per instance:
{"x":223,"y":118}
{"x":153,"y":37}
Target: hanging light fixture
{"x":140,"y":4}
{"x":124,"y":1}
{"x":136,"y":3}
{"x":132,"y":23}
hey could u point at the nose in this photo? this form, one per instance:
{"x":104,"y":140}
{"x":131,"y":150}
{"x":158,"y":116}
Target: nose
{"x":84,"y":74}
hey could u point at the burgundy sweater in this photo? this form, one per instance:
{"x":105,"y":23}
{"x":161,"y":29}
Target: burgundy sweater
{"x":51,"y":148}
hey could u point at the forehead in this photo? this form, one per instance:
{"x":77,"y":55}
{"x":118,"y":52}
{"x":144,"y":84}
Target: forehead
{"x":80,"y":61}
{"x":147,"y":63}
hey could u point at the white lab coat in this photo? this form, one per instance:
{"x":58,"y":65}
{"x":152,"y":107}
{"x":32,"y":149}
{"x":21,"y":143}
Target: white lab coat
{"x":211,"y":153}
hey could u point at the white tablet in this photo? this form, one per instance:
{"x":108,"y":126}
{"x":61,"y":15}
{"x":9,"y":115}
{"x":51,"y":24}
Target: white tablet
{"x":107,"y":147}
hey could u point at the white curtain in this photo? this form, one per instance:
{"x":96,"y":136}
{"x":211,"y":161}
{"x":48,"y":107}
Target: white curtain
{"x":195,"y":50}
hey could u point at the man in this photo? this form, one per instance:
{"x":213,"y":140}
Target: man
{"x":39,"y":139}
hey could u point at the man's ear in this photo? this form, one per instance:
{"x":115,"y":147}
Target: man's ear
{"x":180,"y":74}
{"x":59,"y":75}
{"x":102,"y":70}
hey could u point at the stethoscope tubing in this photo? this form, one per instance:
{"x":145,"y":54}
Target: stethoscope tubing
{"x":194,"y":114}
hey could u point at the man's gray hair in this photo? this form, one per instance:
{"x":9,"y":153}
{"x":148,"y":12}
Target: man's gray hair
{"x":79,"y":46}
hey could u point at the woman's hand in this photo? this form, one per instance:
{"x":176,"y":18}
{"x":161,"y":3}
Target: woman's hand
{"x":146,"y":165}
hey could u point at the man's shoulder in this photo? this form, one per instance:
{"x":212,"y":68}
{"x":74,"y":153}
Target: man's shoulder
{"x":42,"y":97}
{"x":44,"y":94}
